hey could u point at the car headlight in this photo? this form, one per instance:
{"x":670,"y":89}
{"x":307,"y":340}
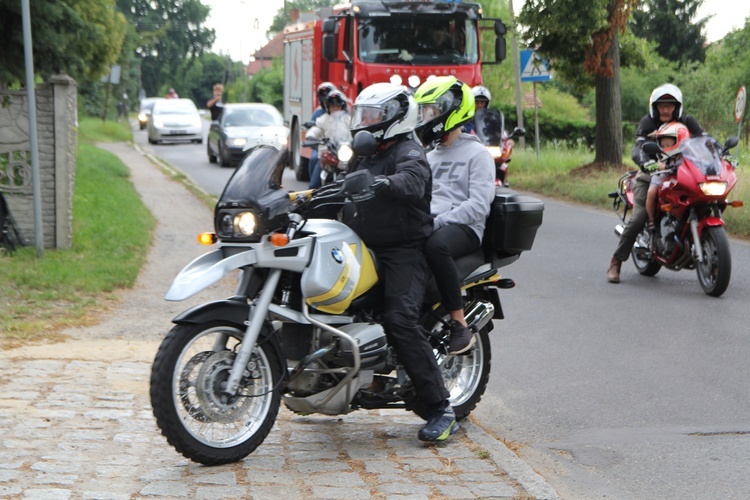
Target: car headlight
{"x":713,"y":188}
{"x":345,"y":152}
{"x":237,"y":141}
{"x":158,"y":123}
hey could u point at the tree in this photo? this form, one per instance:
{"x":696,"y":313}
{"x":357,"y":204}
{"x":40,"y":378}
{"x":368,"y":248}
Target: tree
{"x":670,"y":24}
{"x":171,"y":36}
{"x":282,"y":18}
{"x":577,"y":35}
{"x":80,"y":38}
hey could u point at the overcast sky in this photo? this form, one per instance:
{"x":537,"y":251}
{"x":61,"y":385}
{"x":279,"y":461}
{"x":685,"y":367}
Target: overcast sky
{"x":241,"y":25}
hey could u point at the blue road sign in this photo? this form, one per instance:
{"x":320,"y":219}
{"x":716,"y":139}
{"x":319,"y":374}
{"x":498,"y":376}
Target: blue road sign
{"x":533,"y":67}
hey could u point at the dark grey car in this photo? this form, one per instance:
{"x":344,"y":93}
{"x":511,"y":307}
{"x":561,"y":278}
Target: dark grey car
{"x":242,"y":127}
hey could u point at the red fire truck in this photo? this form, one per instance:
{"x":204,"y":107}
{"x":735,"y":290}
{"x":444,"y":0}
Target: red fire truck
{"x":368,"y":41}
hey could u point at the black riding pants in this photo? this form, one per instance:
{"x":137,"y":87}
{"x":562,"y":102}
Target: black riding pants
{"x":404,"y":273}
{"x":444,"y":245}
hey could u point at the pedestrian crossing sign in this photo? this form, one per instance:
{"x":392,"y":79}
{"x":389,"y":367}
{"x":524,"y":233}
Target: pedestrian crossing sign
{"x":533,"y":67}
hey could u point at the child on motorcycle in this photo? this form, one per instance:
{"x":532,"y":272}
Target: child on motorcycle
{"x":669,"y":137}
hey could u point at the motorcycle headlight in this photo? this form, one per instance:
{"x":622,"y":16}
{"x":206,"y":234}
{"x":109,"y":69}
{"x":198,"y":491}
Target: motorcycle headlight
{"x":237,"y":141}
{"x":345,"y":152}
{"x":713,"y":188}
{"x":143,"y":117}
{"x":239,"y":224}
{"x":495,"y":151}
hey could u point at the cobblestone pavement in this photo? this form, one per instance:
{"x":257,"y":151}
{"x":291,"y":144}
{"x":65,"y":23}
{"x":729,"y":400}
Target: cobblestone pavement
{"x":76,"y":421}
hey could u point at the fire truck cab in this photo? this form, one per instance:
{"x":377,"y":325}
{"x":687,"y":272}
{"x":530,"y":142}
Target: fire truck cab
{"x":367,"y":41}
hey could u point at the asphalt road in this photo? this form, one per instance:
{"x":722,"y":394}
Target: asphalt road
{"x":633,"y":390}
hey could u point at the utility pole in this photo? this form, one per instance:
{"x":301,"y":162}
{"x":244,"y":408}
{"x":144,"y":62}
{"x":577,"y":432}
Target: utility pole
{"x":516,"y":70}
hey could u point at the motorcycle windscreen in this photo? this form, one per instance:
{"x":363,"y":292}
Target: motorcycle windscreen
{"x":703,"y":152}
{"x":257,"y":182}
{"x":489,"y":126}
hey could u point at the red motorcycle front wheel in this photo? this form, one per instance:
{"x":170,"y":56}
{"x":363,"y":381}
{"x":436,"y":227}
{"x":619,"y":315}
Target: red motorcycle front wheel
{"x":716,"y":269}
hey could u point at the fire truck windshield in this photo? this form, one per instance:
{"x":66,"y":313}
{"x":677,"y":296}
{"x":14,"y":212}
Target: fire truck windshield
{"x":425,"y":41}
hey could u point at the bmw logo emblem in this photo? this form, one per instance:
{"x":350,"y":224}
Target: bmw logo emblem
{"x":337,"y":255}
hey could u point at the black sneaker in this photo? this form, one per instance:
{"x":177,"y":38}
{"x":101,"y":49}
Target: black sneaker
{"x":440,"y":425}
{"x":462,"y":340}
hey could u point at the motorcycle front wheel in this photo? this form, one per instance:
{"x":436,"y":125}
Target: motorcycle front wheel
{"x":643,"y":259}
{"x":716,"y":269}
{"x":198,"y":419}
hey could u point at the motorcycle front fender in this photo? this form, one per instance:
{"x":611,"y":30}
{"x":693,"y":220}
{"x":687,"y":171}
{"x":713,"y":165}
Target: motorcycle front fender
{"x":234,"y":311}
{"x":231,"y":310}
{"x":206,"y":270}
{"x":709,"y":222}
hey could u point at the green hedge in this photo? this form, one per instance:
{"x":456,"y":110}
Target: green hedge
{"x":556,"y":129}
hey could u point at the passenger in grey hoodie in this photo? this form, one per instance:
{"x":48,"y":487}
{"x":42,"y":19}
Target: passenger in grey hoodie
{"x":462,"y":190}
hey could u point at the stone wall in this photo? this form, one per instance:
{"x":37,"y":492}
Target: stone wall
{"x":57,"y":120}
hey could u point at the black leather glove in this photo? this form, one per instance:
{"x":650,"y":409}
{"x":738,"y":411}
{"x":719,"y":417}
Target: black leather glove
{"x":381,"y":183}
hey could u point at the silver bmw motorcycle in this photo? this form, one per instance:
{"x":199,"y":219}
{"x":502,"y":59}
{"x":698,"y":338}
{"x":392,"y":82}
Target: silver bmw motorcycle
{"x":303,"y":325}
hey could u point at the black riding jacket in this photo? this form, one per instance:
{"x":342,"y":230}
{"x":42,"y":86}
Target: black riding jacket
{"x":400,"y":213}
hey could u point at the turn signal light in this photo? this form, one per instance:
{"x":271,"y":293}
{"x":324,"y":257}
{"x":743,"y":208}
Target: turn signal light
{"x":667,"y":207}
{"x":279,"y":239}
{"x":737,"y":204}
{"x":207,"y":238}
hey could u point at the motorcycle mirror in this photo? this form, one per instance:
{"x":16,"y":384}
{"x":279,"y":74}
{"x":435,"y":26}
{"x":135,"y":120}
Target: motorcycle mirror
{"x":651,"y":148}
{"x":308,"y":125}
{"x":731,"y":142}
{"x":517,"y":132}
{"x":364,"y":144}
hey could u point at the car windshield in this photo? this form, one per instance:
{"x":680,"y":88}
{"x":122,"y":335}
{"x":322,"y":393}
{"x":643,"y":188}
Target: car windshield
{"x":147,"y":104}
{"x":175,"y":107}
{"x":248,"y":117}
{"x":418,"y":41}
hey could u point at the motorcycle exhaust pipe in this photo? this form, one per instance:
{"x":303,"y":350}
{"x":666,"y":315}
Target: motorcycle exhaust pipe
{"x":478,"y":314}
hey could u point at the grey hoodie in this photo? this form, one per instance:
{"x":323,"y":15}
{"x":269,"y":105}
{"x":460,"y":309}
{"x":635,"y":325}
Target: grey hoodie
{"x":463,"y":183}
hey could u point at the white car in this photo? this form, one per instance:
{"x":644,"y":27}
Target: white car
{"x":175,"y":120}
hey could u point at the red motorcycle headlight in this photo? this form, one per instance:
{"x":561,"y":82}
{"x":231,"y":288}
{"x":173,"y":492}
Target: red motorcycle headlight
{"x":713,"y":188}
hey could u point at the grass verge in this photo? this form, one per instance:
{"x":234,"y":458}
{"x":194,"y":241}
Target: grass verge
{"x":112,"y":231}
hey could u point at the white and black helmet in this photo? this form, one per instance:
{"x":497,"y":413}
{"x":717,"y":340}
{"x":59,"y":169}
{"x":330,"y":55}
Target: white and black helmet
{"x":666,"y":93}
{"x":482,"y":92}
{"x":385,"y":110}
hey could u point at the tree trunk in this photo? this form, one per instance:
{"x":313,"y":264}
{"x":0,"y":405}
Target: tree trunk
{"x":608,"y":142}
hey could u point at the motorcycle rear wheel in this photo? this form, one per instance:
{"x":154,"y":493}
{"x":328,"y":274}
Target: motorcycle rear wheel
{"x":464,"y":375}
{"x":643,"y":259}
{"x":198,"y":420}
{"x":716,"y":269}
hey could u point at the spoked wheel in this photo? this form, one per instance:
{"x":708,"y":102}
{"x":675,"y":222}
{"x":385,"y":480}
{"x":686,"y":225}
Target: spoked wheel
{"x":464,"y":375}
{"x":187,"y":380}
{"x":716,"y":269}
{"x":643,"y":258}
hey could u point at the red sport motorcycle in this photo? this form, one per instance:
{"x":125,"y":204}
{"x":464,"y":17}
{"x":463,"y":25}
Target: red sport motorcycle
{"x":689,"y":225}
{"x":490,"y":128}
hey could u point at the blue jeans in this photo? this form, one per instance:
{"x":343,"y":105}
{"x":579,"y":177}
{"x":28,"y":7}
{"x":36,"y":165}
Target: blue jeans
{"x":313,"y":167}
